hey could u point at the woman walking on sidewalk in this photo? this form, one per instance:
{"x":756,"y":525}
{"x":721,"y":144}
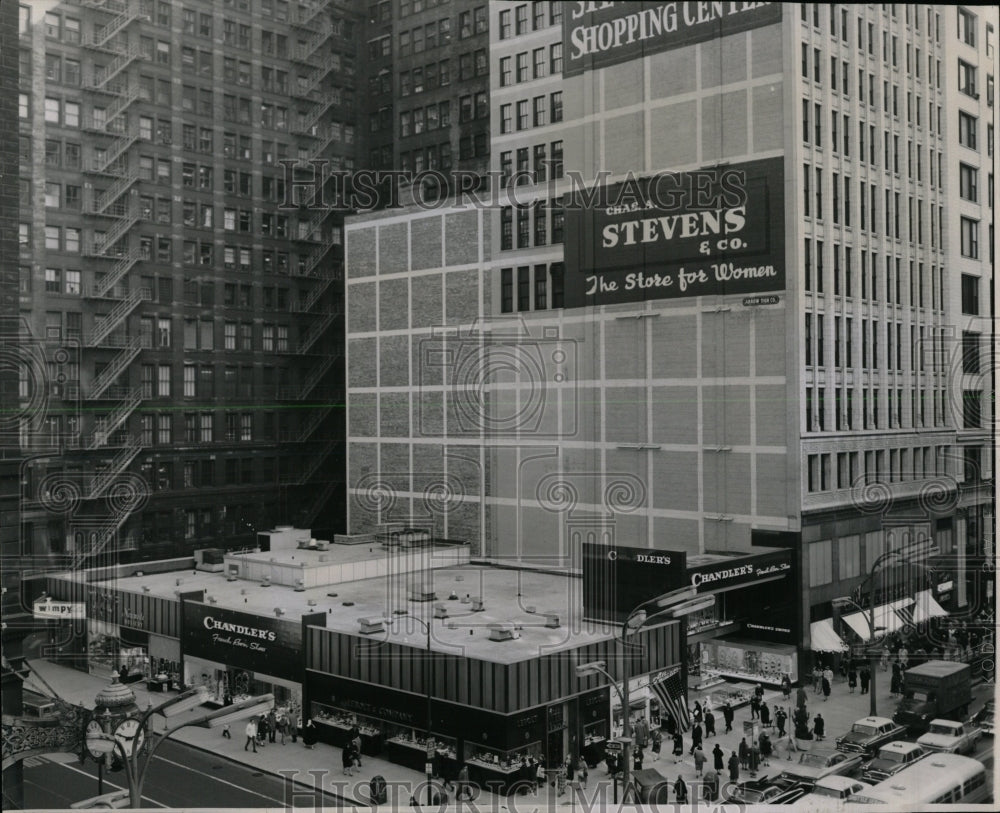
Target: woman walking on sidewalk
{"x":765,"y":715}
{"x":826,"y":689}
{"x":728,"y":714}
{"x":678,"y":747}
{"x":852,"y":677}
{"x":309,"y":734}
{"x":734,"y":767}
{"x":719,"y":757}
{"x":251,"y":732}
{"x":709,"y":723}
{"x":699,"y":760}
{"x":657,"y":740}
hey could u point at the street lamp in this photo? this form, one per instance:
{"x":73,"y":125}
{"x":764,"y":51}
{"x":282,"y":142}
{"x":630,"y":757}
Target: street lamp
{"x":428,"y":681}
{"x":674,"y":604}
{"x":921,"y":548}
{"x":129,"y":736}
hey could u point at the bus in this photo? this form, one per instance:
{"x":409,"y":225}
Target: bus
{"x":935,"y":780}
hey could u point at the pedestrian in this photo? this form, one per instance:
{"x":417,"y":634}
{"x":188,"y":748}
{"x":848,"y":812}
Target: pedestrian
{"x":272,"y":725}
{"x":680,"y":791}
{"x":759,"y":691}
{"x":540,"y":775}
{"x":734,"y":768}
{"x":866,"y":677}
{"x":637,"y":757}
{"x":697,"y":713}
{"x":226,"y":733}
{"x":583,"y":774}
{"x":754,"y":707}
{"x":728,"y":714}
{"x":852,"y":678}
{"x":884,"y":661}
{"x":718,"y":757}
{"x":896,"y":684}
{"x":709,"y":724}
{"x":800,"y":697}
{"x":347,"y":759}
{"x":309,"y":734}
{"x":744,"y":752}
{"x":826,"y":689}
{"x":281,"y":724}
{"x":819,"y":727}
{"x":765,"y":749}
{"x":780,"y":716}
{"x":670,"y":725}
{"x":699,"y":760}
{"x":786,"y":687}
{"x":657,"y":740}
{"x":294,"y":723}
{"x":696,"y":737}
{"x":753,"y":759}
{"x":828,"y":674}
{"x":817,"y":679}
{"x":678,"y":747}
{"x":904,"y":657}
{"x":251,"y":732}
{"x":711,"y":786}
{"x":765,"y":715}
{"x":356,"y":744}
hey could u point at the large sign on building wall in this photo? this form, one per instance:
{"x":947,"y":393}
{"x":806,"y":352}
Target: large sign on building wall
{"x":718,"y":230}
{"x":596,"y":35}
{"x":616,"y":579}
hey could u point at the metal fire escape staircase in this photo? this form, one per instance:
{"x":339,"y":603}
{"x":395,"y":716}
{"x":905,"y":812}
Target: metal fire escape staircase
{"x":99,"y":483}
{"x":99,"y":388}
{"x":106,"y":326}
{"x":100,"y":38}
{"x":106,"y":426}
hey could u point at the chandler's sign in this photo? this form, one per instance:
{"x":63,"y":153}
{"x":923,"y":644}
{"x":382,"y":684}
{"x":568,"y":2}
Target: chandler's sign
{"x":616,"y":578}
{"x":596,"y":35}
{"x":712,"y":231}
{"x":258,"y":643}
{"x":723,"y":575}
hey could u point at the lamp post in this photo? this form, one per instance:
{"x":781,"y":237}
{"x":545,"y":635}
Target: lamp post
{"x":128,"y":739}
{"x":869,"y":613}
{"x":428,"y":680}
{"x":674,"y":604}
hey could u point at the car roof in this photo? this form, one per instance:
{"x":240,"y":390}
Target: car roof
{"x":837,"y":782}
{"x":879,"y":721}
{"x":949,"y":723}
{"x":900,"y":745}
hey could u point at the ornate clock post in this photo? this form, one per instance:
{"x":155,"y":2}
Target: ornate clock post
{"x":114,"y":706}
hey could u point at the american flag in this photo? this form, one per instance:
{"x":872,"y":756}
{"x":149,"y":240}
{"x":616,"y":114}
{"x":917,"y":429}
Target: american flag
{"x":667,"y":687}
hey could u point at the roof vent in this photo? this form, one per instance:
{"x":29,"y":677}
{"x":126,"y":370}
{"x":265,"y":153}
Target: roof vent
{"x":530,"y":609}
{"x":311,"y":602}
{"x":440,"y":610}
{"x":266,"y":581}
{"x":300,"y":586}
{"x":279,"y":611}
{"x":477,"y":604}
{"x":371,"y":625}
{"x":504,"y":631}
{"x":551,"y":619}
{"x":145,"y":588}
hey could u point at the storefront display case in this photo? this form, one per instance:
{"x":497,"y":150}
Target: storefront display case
{"x":408,"y":746}
{"x":595,"y":740}
{"x":495,"y":768}
{"x":757,"y":661}
{"x":339,"y":723}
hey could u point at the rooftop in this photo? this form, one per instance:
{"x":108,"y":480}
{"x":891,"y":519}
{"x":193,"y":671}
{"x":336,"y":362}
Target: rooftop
{"x":517,"y":597}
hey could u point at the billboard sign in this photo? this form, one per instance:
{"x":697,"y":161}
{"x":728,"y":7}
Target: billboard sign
{"x":596,"y":35}
{"x":617,"y":579}
{"x":711,"y":231}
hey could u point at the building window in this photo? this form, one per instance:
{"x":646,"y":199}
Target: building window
{"x":972,"y":409}
{"x":967,"y":27}
{"x":968,"y":182}
{"x":967,"y":79}
{"x":163,"y":381}
{"x":970,"y":238}
{"x":820,"y":559}
{"x":506,"y":290}
{"x":967,"y":126}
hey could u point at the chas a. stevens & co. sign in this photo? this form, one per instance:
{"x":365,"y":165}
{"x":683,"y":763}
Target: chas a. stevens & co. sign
{"x":596,"y":35}
{"x":271,"y":646}
{"x":710,"y":231}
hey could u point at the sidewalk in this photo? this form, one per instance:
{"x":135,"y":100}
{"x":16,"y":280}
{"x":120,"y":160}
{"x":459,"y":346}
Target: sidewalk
{"x":304,"y":766}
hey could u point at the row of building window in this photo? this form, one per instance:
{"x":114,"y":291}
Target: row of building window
{"x":871,"y":414}
{"x":431,"y":76}
{"x":544,"y":61}
{"x":921,"y":346}
{"x":538,"y":288}
{"x":534,"y":164}
{"x":543,"y":110}
{"x":869,"y":289}
{"x":889,"y":466}
{"x":839,"y":12}
{"x":158,"y":430}
{"x":540,"y":223}
{"x":542,"y":15}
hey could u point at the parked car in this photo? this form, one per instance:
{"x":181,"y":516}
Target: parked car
{"x":952,"y":737}
{"x":763,"y":792}
{"x":869,"y":734}
{"x":891,"y":759}
{"x":984,"y":719}
{"x":817,"y":763}
{"x":834,"y":787}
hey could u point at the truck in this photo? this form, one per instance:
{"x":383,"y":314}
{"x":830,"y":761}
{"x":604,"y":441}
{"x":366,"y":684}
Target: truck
{"x":951,"y":737}
{"x":932,"y":690}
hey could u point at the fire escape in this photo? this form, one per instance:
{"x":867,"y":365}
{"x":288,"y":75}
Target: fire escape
{"x":317,"y":59}
{"x":110,"y":205}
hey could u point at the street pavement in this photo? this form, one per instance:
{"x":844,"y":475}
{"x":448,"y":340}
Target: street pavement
{"x":303,"y":771}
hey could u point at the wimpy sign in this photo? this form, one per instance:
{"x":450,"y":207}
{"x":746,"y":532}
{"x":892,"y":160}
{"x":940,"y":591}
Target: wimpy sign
{"x":596,"y":35}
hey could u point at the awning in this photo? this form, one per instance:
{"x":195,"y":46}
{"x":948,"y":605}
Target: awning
{"x":926,"y":607}
{"x":885,"y":616}
{"x":824,"y":639}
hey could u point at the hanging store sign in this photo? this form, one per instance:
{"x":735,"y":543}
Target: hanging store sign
{"x":712,"y":231}
{"x":59,"y":609}
{"x":596,"y":35}
{"x":741,"y":571}
{"x":617,"y":579}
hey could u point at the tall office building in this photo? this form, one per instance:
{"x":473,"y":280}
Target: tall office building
{"x":778,"y":344}
{"x":183,"y":323}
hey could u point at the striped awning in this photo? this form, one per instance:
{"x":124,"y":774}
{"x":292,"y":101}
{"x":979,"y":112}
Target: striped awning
{"x":926,"y":607}
{"x":824,"y":639}
{"x":885,"y":616}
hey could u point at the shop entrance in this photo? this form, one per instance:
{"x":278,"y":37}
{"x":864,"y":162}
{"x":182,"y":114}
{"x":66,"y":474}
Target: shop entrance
{"x":555,"y":742}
